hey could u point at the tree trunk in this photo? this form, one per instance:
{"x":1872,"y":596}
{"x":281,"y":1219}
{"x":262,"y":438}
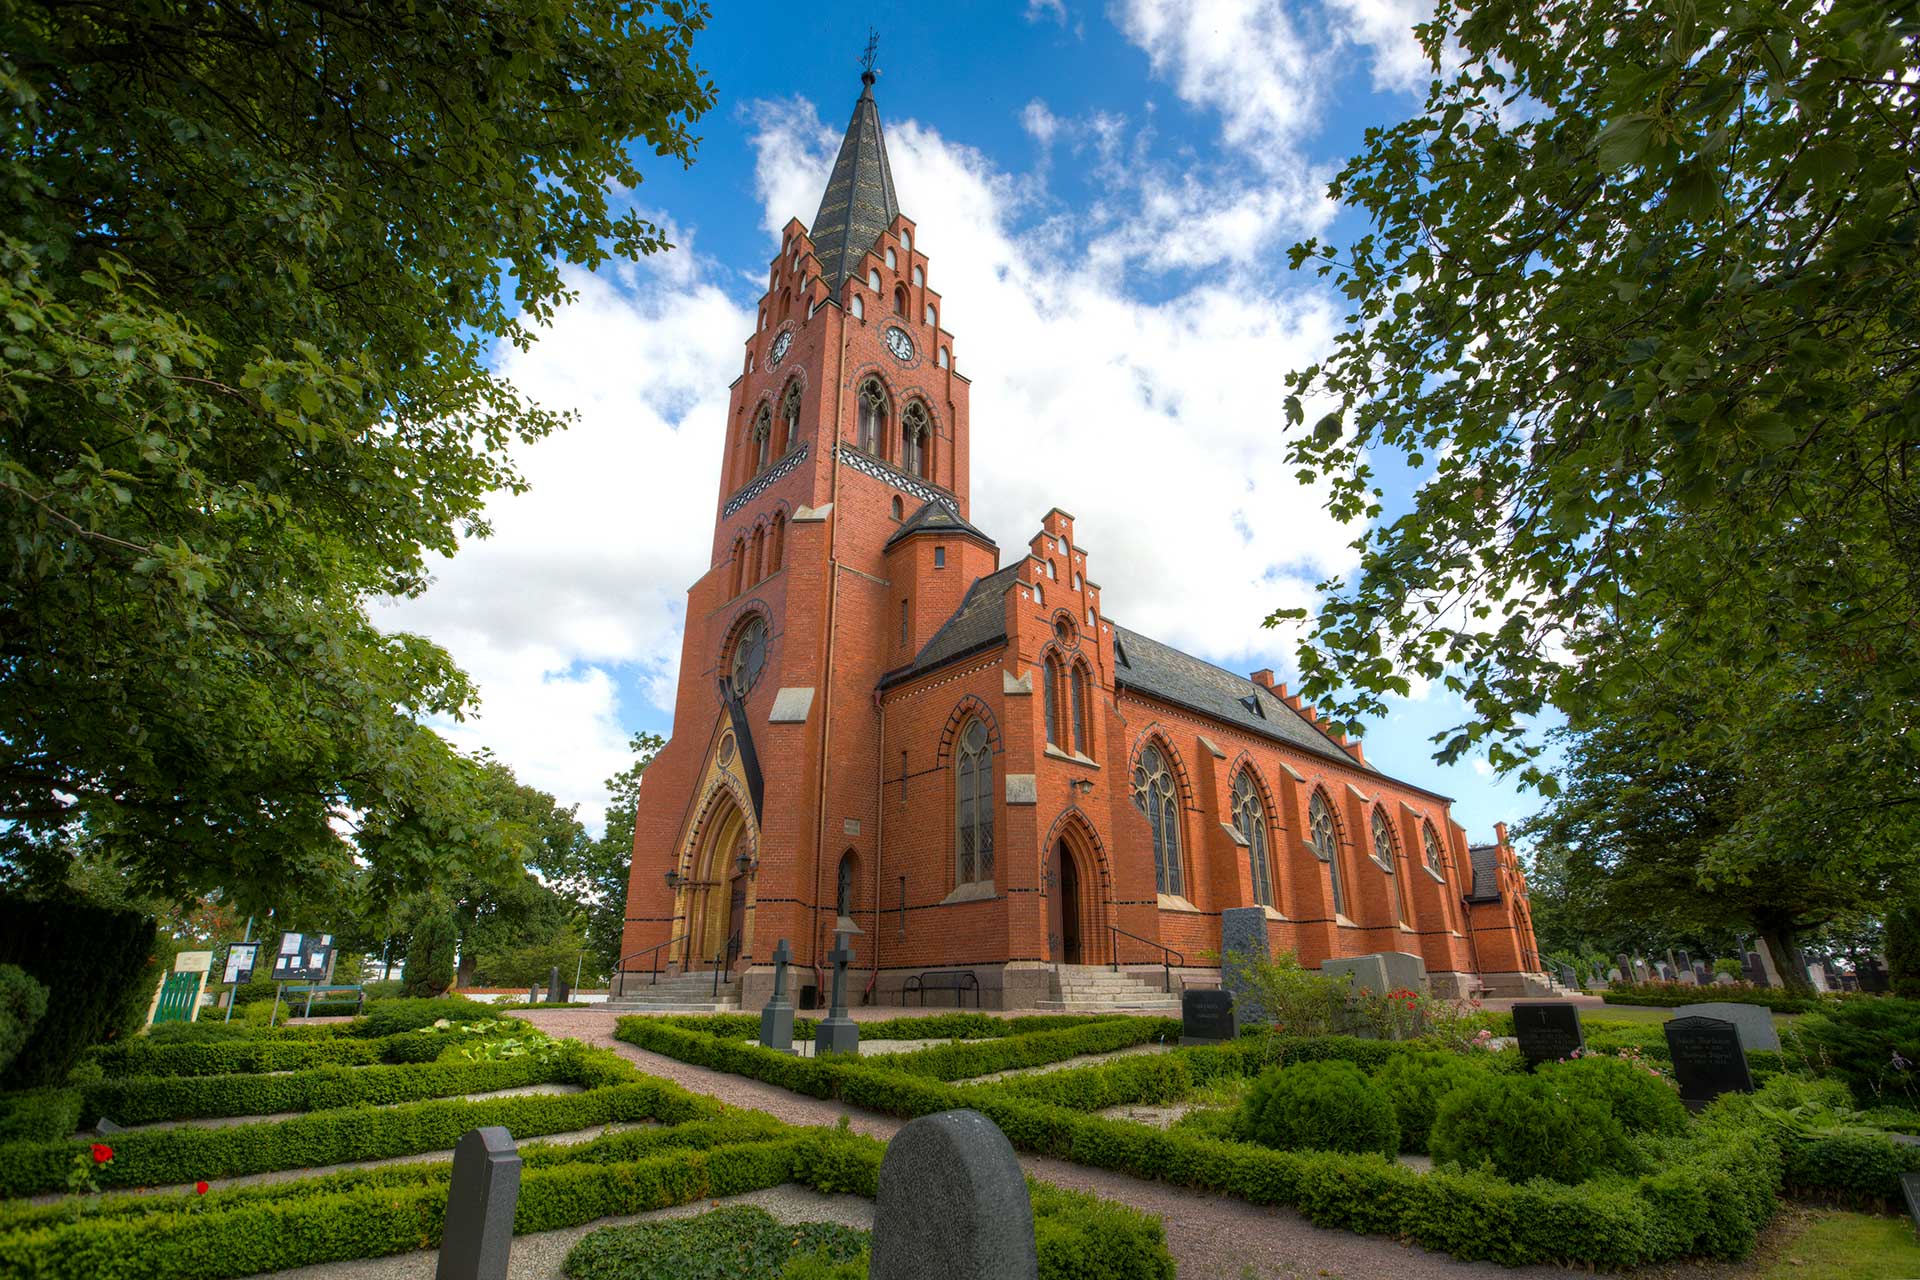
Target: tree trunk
{"x":1779,"y":942}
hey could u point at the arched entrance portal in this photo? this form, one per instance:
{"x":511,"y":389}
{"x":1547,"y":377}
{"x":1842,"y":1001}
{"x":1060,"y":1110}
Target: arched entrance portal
{"x":717,"y":898}
{"x":1074,"y":913}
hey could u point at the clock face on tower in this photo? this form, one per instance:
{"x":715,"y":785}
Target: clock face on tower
{"x":779,"y":352}
{"x":900,"y":344}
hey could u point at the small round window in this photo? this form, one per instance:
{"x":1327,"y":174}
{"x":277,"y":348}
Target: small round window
{"x":726,"y":751}
{"x":749,"y":655}
{"x":1063,"y":629}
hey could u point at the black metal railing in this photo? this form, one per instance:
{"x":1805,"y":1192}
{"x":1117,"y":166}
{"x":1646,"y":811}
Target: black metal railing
{"x":1168,"y":956}
{"x":723,"y":962}
{"x":621,"y":969}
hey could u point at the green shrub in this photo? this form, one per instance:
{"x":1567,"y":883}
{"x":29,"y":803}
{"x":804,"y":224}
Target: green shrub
{"x":210,"y":1031}
{"x":391,"y":1017}
{"x":1872,"y":1044}
{"x":1525,"y":1127}
{"x":290,"y":1049}
{"x":22,"y":1002}
{"x":741,"y":1242}
{"x":89,"y":992}
{"x":431,"y":949}
{"x":1282,"y":995}
{"x":1415,"y":1083}
{"x":1670,"y":994}
{"x":1319,"y":1106}
{"x":39,"y":1115}
{"x":1640,"y":1099}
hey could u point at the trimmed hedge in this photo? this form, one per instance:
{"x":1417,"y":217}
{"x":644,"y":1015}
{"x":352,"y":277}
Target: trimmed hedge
{"x":1319,"y":1106}
{"x":931,"y":1026}
{"x":274,"y":1052}
{"x":168,"y":1156}
{"x":39,"y":1115}
{"x":86,"y":1001}
{"x":1668,"y":995}
{"x":1713,"y":1192}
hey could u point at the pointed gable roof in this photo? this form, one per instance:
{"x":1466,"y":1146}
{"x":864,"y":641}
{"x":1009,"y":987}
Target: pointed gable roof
{"x":859,"y":202}
{"x":937,"y":517}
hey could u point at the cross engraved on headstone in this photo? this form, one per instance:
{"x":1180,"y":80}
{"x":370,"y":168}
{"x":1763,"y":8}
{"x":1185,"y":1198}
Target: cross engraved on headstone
{"x":1547,"y":1031}
{"x":776,"y":1020}
{"x":480,"y":1201}
{"x":952,"y":1204}
{"x":838,"y":1033}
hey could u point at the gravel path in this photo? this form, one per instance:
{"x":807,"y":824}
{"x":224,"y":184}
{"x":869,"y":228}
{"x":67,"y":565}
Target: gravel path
{"x":1211,"y":1237}
{"x":543,"y":1255}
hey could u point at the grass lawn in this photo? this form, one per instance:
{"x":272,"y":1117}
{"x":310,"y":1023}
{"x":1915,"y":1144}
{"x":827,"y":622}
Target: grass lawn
{"x":1648,"y":1013}
{"x":1849,"y":1246}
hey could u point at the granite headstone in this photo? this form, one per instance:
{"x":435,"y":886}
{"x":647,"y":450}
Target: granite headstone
{"x":776,"y":1019}
{"x":1404,"y":971}
{"x":952,"y":1204}
{"x":838,"y":1033}
{"x":1208,"y":1017}
{"x":1363,"y":973}
{"x":478,"y":1234}
{"x":1873,"y":976}
{"x":1547,"y":1030}
{"x":1910,"y":1187}
{"x":1755,"y":1021}
{"x":1708,"y":1059}
{"x":1753,"y":970}
{"x":1243,"y":932}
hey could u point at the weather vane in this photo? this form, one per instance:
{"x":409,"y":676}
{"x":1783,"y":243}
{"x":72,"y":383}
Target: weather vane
{"x":872,"y":52}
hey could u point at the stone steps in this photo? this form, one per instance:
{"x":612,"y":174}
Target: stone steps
{"x":684,"y":993}
{"x":1096,"y":989}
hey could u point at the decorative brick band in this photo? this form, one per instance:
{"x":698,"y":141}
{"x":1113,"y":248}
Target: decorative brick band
{"x":867,"y":464}
{"x":760,"y":482}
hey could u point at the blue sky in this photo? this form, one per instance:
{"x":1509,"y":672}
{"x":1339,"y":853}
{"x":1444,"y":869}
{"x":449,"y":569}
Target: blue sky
{"x":1106,"y":193}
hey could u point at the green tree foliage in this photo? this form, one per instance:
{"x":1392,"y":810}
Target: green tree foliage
{"x":1639,"y":301}
{"x":253,"y":258}
{"x":22,"y":1002}
{"x":598,"y":877}
{"x":431,"y":942}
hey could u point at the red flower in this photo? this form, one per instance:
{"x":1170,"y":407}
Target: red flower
{"x":102,"y":1153}
{"x":200,"y":1187}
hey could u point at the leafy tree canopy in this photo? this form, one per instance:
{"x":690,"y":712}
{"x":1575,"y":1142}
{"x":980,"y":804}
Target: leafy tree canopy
{"x":252,"y":259}
{"x":1639,"y":299}
{"x":598,"y":877}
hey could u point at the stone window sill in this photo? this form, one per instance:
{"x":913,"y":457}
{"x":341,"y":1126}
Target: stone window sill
{"x":1271,"y":913}
{"x":845,"y":924}
{"x":1437,"y":877}
{"x":1343,"y":922}
{"x":1174,"y":902}
{"x":978,"y":891}
{"x":1384,"y":866}
{"x":1055,"y":753}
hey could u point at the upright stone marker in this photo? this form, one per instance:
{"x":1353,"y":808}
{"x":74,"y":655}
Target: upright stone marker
{"x":1708,"y":1059}
{"x":838,"y":1033}
{"x":1548,"y":1031}
{"x":558,"y":992}
{"x":1754,"y":971}
{"x":952,"y":1204}
{"x":1755,"y":1021}
{"x":479,"y":1224}
{"x":1208,"y":1017}
{"x":776,"y":1020}
{"x":1910,"y":1187}
{"x":1363,"y":973}
{"x":1243,"y":932}
{"x":1404,"y":971}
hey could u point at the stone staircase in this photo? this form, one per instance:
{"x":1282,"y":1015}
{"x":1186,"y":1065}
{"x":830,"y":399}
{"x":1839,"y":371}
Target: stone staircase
{"x":687,"y":993}
{"x":1094,"y":988}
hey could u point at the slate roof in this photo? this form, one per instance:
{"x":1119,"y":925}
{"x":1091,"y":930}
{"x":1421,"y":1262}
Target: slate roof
{"x":1162,"y":671}
{"x":936,"y":517}
{"x":1486,"y":873}
{"x":859,"y":202}
{"x":979,"y":622}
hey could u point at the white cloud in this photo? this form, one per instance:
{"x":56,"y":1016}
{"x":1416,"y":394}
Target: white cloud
{"x":1386,"y":26}
{"x":1054,"y":11}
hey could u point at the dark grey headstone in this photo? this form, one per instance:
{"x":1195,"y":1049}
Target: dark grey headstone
{"x":1873,"y":976}
{"x":1708,"y":1059}
{"x":1208,"y":1017}
{"x":776,"y":1019}
{"x":1755,"y":1021}
{"x":952,"y":1204}
{"x":1910,"y":1187}
{"x":838,"y":1033}
{"x":1547,"y":1030}
{"x":480,"y":1201}
{"x":1755,"y":971}
{"x":557,"y":988}
{"x":1624,"y":963}
{"x":1243,"y":932}
{"x":1702,"y":975}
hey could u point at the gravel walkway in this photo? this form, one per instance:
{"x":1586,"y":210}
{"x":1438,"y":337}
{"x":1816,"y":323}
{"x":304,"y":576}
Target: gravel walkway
{"x":1211,"y":1237}
{"x":543,"y":1255}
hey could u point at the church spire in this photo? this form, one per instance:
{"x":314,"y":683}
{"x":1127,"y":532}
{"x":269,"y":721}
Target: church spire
{"x":859,"y":202}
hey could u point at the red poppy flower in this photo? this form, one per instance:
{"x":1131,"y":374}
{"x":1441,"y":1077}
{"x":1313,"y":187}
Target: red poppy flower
{"x":200,"y":1187}
{"x":102,"y":1153}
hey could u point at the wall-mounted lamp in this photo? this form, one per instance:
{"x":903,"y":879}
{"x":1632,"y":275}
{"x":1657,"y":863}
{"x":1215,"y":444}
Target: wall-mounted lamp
{"x":1081,"y":784}
{"x":674,"y":878}
{"x":745,"y":862}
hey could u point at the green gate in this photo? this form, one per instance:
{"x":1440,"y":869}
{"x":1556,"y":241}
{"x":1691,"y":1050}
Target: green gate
{"x":178,"y":998}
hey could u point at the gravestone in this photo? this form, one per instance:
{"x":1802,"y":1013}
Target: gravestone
{"x":1873,"y":976}
{"x":1755,"y":1021}
{"x":1613,"y":975}
{"x":1753,"y":970}
{"x":1910,"y":1187}
{"x":1660,"y":967}
{"x":776,"y":1020}
{"x":1363,"y":973}
{"x":1640,"y":970}
{"x":558,"y":991}
{"x":1548,"y":1030}
{"x":1701,"y":974}
{"x":1624,"y":963}
{"x":952,"y":1204}
{"x":1568,"y":978}
{"x":1404,"y":971}
{"x":1722,"y":979}
{"x":1243,"y":932}
{"x":1208,"y":1017}
{"x":479,"y":1224}
{"x":838,"y":1033}
{"x":1708,"y":1059}
{"x":1681,"y":961}
{"x":1817,"y":975}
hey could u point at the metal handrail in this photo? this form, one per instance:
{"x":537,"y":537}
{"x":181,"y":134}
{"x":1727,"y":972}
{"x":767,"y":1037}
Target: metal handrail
{"x":725,"y":958}
{"x":1168,"y":956}
{"x":620,"y":967}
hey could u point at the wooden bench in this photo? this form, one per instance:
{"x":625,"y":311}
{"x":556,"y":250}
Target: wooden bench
{"x":328,"y":995}
{"x":954,"y":980}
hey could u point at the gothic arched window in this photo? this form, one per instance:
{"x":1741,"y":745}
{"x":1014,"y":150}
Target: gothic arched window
{"x":1383,"y":854}
{"x":898,"y":510}
{"x":1250,"y":820}
{"x":933,"y":317}
{"x":1078,"y":689}
{"x":859,"y":306}
{"x":873,"y":279}
{"x":873,"y":416}
{"x":1050,"y":677}
{"x":914,"y":435}
{"x":1157,"y":797}
{"x":843,"y":887}
{"x":759,"y":562}
{"x":973,"y":815}
{"x":790,"y":418}
{"x":762,"y":440}
{"x":900,"y":300}
{"x":1325,"y":837}
{"x":1431,"y":840}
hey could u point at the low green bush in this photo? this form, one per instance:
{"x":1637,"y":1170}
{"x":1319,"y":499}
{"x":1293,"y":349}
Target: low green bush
{"x":22,"y":1002}
{"x":88,"y":1002}
{"x":1414,"y":1083}
{"x":1319,"y":1106}
{"x":741,"y":1242}
{"x":1522,"y":1127}
{"x":275,"y":1051}
{"x":1670,"y":994}
{"x":1870,"y":1044}
{"x":392,"y":1017}
{"x":39,"y":1115}
{"x":1640,"y":1098}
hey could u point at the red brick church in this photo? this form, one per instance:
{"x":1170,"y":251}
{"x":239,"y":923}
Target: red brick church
{"x":969,"y":765}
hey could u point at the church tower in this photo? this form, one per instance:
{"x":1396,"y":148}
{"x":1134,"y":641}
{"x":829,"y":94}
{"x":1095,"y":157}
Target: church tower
{"x":845,"y":442}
